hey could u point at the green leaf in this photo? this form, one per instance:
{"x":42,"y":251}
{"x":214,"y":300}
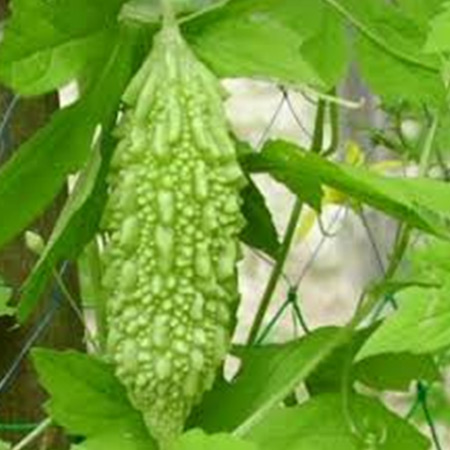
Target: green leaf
{"x":328,"y":50}
{"x":5,"y":446}
{"x":76,"y":226}
{"x":258,"y":38}
{"x":328,"y":376}
{"x":87,"y":399}
{"x":37,"y":172}
{"x":395,"y":79}
{"x":430,"y":261}
{"x":323,"y":423}
{"x":438,"y":40}
{"x":268,"y":374}
{"x":78,"y":222}
{"x":420,"y":325}
{"x":422,"y":203}
{"x":47,"y":44}
{"x":301,"y":180}
{"x":198,"y":440}
{"x":386,"y":26}
{"x":5,"y":297}
{"x":389,"y":47}
{"x":395,"y":371}
{"x":259,"y":231}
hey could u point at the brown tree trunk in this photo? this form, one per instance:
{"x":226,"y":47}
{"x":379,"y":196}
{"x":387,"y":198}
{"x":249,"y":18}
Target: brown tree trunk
{"x":21,"y":401}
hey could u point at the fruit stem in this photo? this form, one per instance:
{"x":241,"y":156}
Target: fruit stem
{"x":169,"y":19}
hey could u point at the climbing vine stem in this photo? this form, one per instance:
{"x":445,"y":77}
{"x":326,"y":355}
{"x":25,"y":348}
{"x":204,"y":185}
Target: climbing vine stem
{"x":316,"y":147}
{"x":403,"y":235}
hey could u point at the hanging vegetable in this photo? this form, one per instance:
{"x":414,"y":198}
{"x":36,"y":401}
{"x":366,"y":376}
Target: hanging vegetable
{"x":172,"y":225}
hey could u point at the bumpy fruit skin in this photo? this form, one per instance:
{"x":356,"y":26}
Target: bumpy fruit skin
{"x":172,"y":221}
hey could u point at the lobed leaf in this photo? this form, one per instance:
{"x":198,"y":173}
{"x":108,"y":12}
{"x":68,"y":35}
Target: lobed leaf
{"x":422,"y":203}
{"x":386,"y":372}
{"x":268,"y":374}
{"x":48,"y":44}
{"x":389,"y":44}
{"x":260,"y":38}
{"x":87,"y":399}
{"x":329,"y":421}
{"x":420,"y":325}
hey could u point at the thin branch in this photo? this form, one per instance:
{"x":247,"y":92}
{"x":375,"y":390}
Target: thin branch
{"x":317,"y":249}
{"x":272,"y":121}
{"x":422,"y":394}
{"x":277,"y":271}
{"x":296,"y":117}
{"x":29,"y":438}
{"x":373,"y":242}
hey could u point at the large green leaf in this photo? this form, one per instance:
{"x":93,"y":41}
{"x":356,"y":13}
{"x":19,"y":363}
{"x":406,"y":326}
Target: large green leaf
{"x":47,"y":44}
{"x":239,"y":38}
{"x":75,"y":227}
{"x":328,"y":50}
{"x":329,"y":422}
{"x":422,"y":203}
{"x":78,"y":222}
{"x":329,"y":375}
{"x":267,"y":375}
{"x":259,"y":38}
{"x":87,"y":399}
{"x":393,"y":372}
{"x":420,"y":325}
{"x":385,"y":25}
{"x":198,"y":440}
{"x":38,"y":170}
{"x":300,"y":179}
{"x":390,"y":54}
{"x":395,"y":79}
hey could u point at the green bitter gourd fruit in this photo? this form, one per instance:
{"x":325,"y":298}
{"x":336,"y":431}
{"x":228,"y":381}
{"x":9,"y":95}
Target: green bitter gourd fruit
{"x":172,"y":222}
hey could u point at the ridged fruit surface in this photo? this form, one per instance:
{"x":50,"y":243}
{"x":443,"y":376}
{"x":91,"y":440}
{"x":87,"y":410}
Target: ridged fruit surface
{"x":172,"y":223}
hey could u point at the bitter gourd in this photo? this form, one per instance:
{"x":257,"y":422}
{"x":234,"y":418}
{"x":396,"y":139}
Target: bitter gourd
{"x":172,"y":223}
